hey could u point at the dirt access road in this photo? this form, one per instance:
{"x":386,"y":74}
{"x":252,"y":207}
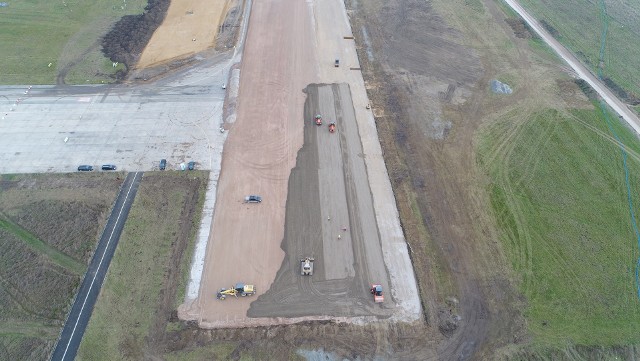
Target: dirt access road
{"x":260,"y":152}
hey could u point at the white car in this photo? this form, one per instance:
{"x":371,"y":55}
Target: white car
{"x":252,"y":199}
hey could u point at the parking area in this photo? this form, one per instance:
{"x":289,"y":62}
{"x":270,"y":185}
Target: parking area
{"x":58,"y":128}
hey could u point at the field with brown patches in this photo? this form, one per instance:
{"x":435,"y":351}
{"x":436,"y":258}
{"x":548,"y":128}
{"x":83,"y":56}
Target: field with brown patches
{"x":49,"y":227}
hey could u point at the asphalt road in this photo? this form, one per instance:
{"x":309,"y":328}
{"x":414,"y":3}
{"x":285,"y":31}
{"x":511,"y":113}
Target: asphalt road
{"x":82,"y":308}
{"x":616,"y":104}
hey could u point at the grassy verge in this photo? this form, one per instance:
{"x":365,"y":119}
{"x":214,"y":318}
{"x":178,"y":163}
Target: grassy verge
{"x":42,"y":38}
{"x":38,"y":245}
{"x":578,"y":25}
{"x":220,"y":351}
{"x":558,"y":191}
{"x":132,"y":312}
{"x":49,"y":225}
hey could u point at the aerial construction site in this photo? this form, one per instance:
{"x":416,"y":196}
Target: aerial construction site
{"x":306,"y":143}
{"x":320,"y":180}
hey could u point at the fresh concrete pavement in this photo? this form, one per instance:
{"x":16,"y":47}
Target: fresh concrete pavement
{"x":57,"y":128}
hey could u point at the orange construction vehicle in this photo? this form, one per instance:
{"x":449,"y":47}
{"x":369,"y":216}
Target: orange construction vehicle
{"x":376,"y":291}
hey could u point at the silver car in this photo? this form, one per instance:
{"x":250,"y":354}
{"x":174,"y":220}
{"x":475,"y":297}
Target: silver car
{"x":252,"y":199}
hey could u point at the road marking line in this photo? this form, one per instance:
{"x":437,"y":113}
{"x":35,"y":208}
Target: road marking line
{"x":98,"y":268}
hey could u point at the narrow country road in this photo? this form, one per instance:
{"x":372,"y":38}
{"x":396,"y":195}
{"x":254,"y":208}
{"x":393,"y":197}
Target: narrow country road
{"x":82,"y":308}
{"x":616,"y":104}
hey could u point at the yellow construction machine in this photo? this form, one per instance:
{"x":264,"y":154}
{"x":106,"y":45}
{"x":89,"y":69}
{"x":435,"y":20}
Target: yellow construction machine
{"x":240,"y":289}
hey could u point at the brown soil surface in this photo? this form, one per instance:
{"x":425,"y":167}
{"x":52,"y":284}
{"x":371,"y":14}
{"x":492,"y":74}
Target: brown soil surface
{"x":430,"y":96}
{"x":190,"y":26}
{"x":258,"y":157}
{"x":329,"y":216}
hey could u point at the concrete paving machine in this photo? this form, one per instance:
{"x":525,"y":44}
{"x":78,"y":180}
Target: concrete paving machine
{"x":306,"y":266}
{"x":376,"y":291}
{"x":240,"y":289}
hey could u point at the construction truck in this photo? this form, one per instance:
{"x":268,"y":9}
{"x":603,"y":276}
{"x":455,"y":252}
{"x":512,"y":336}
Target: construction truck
{"x":240,"y":289}
{"x":318,"y":119}
{"x":332,"y":127}
{"x":306,"y":266}
{"x":376,"y":291}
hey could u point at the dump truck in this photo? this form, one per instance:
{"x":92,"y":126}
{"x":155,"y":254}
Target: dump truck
{"x":306,"y":266}
{"x":376,"y":291}
{"x":240,"y":289}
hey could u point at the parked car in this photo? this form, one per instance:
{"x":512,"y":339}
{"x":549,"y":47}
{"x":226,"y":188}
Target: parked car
{"x":163,"y":164}
{"x":252,"y":199}
{"x":108,"y":167}
{"x":85,"y":168}
{"x":191,"y":165}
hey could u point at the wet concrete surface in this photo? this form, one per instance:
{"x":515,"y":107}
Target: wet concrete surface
{"x":329,"y":215}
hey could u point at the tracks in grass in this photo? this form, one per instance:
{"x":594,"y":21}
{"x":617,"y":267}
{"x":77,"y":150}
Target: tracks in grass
{"x":57,"y":257}
{"x":30,"y":329}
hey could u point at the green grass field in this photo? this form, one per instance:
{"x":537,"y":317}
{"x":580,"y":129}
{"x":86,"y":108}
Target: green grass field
{"x":49,"y":225}
{"x":579,"y":25}
{"x":559,"y":195}
{"x":65,"y":34}
{"x":131,"y":314}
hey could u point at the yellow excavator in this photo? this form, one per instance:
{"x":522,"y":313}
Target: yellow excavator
{"x":240,"y":289}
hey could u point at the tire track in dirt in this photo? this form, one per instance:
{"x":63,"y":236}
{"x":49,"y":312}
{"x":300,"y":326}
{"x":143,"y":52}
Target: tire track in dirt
{"x":324,"y":200}
{"x":439,"y":173}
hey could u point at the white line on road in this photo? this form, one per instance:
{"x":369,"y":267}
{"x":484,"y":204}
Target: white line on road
{"x":616,"y":104}
{"x":98,"y":268}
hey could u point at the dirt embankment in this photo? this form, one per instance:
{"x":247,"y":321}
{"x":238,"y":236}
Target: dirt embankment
{"x":190,"y":26}
{"x":428,"y":92}
{"x":130,"y":35}
{"x":171,"y":30}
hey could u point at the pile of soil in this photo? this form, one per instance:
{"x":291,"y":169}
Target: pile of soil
{"x":129,"y":36}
